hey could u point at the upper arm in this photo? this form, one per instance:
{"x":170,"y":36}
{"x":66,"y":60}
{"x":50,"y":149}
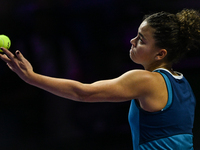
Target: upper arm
{"x":131,"y":85}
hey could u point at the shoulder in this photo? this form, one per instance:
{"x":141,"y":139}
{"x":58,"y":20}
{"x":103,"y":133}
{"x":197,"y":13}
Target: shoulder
{"x":144,"y":82}
{"x":151,"y":88}
{"x":141,"y":75}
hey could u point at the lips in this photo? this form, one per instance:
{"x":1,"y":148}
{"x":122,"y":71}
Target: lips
{"x":131,"y":50}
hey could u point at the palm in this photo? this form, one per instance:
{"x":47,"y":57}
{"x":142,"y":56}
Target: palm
{"x":20,"y":65}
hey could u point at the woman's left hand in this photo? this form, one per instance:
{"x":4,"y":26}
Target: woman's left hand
{"x":17,"y":63}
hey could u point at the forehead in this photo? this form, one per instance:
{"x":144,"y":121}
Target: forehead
{"x":146,"y":30}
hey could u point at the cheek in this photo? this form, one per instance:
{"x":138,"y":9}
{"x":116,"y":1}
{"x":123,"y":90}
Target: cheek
{"x":140,"y":52}
{"x":137,"y":55}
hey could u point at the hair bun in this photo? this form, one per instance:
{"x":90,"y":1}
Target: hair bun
{"x":189,"y":22}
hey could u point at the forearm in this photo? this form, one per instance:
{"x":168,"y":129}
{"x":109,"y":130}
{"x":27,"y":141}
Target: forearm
{"x":61,"y":87}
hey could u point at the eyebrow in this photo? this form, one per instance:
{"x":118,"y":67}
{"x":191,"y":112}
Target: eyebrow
{"x":142,"y":36}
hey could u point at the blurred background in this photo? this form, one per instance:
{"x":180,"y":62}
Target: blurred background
{"x":85,"y":40}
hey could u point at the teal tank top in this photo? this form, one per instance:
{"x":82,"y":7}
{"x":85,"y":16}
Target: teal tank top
{"x":169,"y":128}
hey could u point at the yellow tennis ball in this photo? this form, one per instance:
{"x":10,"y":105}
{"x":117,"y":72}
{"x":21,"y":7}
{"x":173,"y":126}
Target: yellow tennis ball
{"x":4,"y":42}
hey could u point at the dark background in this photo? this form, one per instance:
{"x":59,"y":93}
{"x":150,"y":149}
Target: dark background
{"x":85,"y":40}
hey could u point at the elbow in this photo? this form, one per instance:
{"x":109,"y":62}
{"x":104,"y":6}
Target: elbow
{"x":83,"y":95}
{"x":84,"y":98}
{"x":88,"y":93}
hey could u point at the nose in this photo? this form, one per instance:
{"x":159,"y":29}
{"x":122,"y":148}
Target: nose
{"x":133,"y":42}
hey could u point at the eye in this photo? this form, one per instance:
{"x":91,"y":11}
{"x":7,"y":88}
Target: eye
{"x":140,"y":40}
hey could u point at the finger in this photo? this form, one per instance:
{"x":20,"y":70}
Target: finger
{"x":5,"y":58}
{"x":11,"y":68}
{"x":8,"y":53}
{"x":19,"y":55}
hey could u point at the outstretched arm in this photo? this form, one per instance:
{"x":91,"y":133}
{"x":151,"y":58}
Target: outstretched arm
{"x":126,"y":87}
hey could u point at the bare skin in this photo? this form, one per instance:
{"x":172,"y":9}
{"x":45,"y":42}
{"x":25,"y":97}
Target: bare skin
{"x":147,"y":87}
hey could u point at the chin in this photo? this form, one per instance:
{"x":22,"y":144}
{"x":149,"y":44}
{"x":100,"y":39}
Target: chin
{"x":136,"y":62}
{"x":133,"y":59}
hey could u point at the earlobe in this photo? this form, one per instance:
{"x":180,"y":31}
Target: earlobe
{"x":161,"y":54}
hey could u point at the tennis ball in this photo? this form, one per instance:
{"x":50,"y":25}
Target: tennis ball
{"x":4,"y":42}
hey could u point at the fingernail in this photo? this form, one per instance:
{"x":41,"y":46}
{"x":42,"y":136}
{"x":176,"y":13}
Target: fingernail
{"x":1,"y":48}
{"x":17,"y":52}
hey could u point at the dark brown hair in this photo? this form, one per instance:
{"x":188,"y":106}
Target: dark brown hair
{"x":177,"y":33}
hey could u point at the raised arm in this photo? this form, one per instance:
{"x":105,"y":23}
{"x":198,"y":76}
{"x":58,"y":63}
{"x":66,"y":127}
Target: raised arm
{"x":126,"y":87}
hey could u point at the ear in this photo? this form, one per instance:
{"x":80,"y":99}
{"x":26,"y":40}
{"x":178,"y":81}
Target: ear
{"x":161,"y":54}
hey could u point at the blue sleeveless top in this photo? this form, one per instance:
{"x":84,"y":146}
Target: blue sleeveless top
{"x":169,"y":128}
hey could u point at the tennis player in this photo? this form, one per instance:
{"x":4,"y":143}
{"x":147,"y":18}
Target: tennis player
{"x":162,"y":106}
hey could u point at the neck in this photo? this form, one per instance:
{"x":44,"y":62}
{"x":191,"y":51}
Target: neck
{"x":162,"y":65}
